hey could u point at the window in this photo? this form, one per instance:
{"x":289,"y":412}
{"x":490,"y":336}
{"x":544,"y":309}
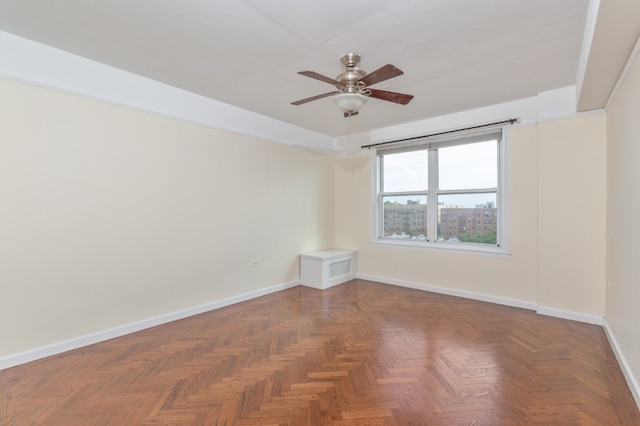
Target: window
{"x":447,"y":192}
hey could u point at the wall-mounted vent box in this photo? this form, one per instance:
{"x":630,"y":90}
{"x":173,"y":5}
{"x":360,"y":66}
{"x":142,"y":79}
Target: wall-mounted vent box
{"x":325,"y":268}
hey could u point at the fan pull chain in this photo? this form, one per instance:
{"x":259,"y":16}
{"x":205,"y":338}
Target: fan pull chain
{"x":350,"y":115}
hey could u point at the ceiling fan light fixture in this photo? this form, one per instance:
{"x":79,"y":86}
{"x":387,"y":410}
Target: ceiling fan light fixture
{"x":350,"y":102}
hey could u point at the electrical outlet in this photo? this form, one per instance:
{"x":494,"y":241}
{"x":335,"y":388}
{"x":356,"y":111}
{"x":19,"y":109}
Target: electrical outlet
{"x":609,"y":285}
{"x":255,"y":262}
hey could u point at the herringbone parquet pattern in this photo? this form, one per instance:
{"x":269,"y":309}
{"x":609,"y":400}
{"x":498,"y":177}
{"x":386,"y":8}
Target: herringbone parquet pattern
{"x":361,"y":353}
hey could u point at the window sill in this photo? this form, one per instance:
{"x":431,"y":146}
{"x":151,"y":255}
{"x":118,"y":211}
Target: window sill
{"x":473,"y":249}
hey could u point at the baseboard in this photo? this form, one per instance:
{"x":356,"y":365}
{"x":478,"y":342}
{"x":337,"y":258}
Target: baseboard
{"x":89,"y":339}
{"x":101,"y":336}
{"x":451,"y":292}
{"x":622,"y":361}
{"x":574,"y":316}
{"x":542,"y":310}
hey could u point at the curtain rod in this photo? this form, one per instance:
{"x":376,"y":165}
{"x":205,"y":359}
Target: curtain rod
{"x":509,"y":121}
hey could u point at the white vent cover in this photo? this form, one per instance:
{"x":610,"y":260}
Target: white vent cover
{"x":326,"y":268}
{"x":339,"y":268}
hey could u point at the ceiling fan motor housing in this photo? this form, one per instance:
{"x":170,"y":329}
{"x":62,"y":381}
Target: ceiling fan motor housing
{"x":352,"y":72}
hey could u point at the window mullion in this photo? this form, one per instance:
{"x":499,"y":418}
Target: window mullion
{"x":432,"y":197}
{"x":467,"y":191}
{"x":407,"y":193}
{"x":380,"y":195}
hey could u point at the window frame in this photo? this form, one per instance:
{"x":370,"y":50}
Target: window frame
{"x":432,"y":144}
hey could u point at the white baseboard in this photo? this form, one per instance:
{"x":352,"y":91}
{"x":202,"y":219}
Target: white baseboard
{"x":100,"y":336}
{"x":89,"y":339}
{"x":622,"y":361}
{"x":574,"y":316}
{"x":451,"y":292}
{"x":542,"y":310}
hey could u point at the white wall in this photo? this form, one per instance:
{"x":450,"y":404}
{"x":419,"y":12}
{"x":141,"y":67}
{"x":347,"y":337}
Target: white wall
{"x":111,"y":216}
{"x":556,"y":167}
{"x":623,"y":225}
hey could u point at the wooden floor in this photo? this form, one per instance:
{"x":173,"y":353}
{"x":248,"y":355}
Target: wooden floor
{"x":361,"y":353}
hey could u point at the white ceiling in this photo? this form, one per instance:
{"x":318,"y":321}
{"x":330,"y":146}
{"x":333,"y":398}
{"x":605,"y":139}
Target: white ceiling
{"x":457,"y":55}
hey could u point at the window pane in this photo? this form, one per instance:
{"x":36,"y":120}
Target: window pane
{"x":469,"y":166}
{"x":405,"y":217}
{"x":406,"y":171}
{"x":467,"y":218}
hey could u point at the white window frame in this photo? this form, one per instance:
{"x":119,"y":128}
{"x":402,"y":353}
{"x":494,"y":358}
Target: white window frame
{"x":432,"y":143}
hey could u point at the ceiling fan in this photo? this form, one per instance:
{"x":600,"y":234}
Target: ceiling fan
{"x":353,"y":86}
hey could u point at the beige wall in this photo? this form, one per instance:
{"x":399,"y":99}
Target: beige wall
{"x":623,"y":224}
{"x":111,"y":216}
{"x":572,"y":214}
{"x":553,"y":165}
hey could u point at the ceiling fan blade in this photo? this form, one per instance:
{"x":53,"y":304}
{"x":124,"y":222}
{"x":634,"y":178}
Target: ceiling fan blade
{"x":349,"y":114}
{"x":313,"y":98}
{"x":381,"y":74}
{"x":399,"y":98}
{"x":317,"y":76}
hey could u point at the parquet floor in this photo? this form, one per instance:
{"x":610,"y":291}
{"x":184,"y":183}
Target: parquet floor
{"x":361,"y":353}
